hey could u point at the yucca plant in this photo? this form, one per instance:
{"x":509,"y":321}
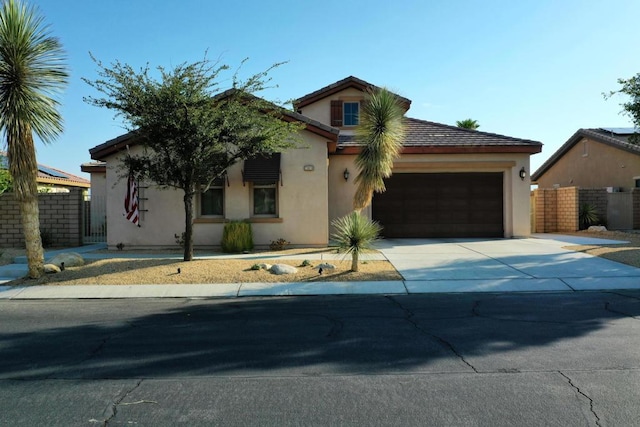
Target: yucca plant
{"x":32,"y":73}
{"x":354,"y":234}
{"x":381,"y":133}
{"x":588,"y":216}
{"x":237,"y":237}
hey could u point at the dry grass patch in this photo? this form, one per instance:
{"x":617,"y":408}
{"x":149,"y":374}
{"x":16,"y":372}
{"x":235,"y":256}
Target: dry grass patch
{"x":120,"y":271}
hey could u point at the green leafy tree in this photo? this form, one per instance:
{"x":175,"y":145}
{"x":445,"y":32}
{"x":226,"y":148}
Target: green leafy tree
{"x":468,"y":124}
{"x":355,"y":234}
{"x":631,"y":108}
{"x":6,"y":183}
{"x":32,"y":73}
{"x":381,"y":134}
{"x":191,"y":130}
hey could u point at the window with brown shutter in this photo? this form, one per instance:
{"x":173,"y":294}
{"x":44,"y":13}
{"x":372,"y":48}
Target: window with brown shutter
{"x":336,"y":113}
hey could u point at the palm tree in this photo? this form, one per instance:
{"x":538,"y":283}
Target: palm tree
{"x":468,"y":124}
{"x":32,"y":71}
{"x":381,"y":133}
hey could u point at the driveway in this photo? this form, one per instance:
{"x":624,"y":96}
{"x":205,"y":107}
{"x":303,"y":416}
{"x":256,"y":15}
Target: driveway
{"x":538,"y":263}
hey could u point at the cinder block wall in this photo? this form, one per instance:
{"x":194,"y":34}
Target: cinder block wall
{"x":596,"y":197}
{"x":60,"y":219}
{"x":556,"y":209}
{"x":545,"y":205}
{"x":567,"y":209}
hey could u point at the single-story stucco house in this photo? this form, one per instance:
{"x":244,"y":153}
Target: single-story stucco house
{"x":593,"y":158}
{"x":448,"y":182}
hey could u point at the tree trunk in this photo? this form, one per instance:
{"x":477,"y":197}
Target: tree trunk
{"x":354,"y":261}
{"x":188,"y":226}
{"x":30,"y":214}
{"x":23,"y":168}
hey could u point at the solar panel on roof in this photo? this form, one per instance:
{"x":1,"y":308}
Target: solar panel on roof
{"x":621,"y":131}
{"x":51,"y":172}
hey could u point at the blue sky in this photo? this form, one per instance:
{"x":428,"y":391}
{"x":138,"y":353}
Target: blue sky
{"x":533,"y":69}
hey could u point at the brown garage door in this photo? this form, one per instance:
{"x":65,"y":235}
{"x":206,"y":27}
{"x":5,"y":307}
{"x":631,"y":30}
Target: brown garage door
{"x":441,"y":205}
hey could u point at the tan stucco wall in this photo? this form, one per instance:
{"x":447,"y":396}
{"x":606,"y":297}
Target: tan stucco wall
{"x":595,"y":166}
{"x":516,"y":191}
{"x":321,"y":110}
{"x":302,"y":209}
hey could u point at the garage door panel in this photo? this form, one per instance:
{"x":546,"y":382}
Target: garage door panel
{"x":441,"y":205}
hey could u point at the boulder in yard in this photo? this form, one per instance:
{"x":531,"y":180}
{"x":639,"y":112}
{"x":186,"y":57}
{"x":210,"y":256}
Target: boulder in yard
{"x":265,"y":266}
{"x":283,"y":269}
{"x":51,"y":269}
{"x":70,"y":259}
{"x":325,"y":266}
{"x":597,"y":228}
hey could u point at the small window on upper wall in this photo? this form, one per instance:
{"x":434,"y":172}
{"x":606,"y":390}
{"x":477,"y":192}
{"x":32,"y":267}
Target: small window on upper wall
{"x":351,"y":112}
{"x":637,"y":180}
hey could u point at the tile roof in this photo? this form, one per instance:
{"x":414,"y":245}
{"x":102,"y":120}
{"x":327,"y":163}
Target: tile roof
{"x":617,"y":140}
{"x":49,"y":175}
{"x":99,"y":152}
{"x":423,"y":133}
{"x":338,"y":86}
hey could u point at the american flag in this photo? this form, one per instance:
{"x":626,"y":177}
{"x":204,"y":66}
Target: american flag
{"x":131,"y":202}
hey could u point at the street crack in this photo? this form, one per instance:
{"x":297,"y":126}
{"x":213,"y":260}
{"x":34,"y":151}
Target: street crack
{"x":607,"y":307}
{"x":446,"y":344}
{"x":580,"y":392}
{"x":118,"y":401}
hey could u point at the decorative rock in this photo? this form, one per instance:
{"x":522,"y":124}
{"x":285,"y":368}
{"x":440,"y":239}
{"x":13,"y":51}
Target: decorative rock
{"x":597,"y":228}
{"x":265,"y":266}
{"x":325,"y":266}
{"x":51,"y":268}
{"x":283,"y":269}
{"x":70,"y":259}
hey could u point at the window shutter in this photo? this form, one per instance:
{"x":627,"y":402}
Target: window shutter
{"x":336,"y":113}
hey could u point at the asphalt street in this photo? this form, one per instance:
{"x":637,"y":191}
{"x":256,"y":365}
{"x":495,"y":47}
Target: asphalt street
{"x":566,"y":359}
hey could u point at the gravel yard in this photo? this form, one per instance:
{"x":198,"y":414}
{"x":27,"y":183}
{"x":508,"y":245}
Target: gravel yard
{"x":128,"y":271}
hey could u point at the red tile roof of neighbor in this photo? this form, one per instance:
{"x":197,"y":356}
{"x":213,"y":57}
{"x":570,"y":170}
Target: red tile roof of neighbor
{"x":50,"y":175}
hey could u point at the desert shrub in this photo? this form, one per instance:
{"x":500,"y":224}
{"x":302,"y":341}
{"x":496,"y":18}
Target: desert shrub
{"x":237,"y":236}
{"x":588,"y":216}
{"x":355,"y":233}
{"x":306,"y":263}
{"x":279,"y":245}
{"x":256,"y":267}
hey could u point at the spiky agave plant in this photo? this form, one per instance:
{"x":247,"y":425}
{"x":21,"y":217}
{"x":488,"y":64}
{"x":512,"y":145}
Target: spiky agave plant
{"x":354,"y":234}
{"x":381,"y":133}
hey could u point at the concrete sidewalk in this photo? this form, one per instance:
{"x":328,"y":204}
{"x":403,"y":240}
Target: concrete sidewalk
{"x":535,"y":264}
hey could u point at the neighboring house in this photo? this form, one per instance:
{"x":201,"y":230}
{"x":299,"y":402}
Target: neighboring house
{"x":593,"y":158}
{"x":51,"y":179}
{"x":448,"y":182}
